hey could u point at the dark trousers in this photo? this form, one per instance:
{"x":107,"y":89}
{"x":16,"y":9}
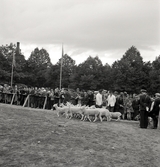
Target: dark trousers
{"x":97,"y":106}
{"x":51,"y":104}
{"x":143,"y":119}
{"x":111,"y":109}
{"x":136,"y":112}
{"x":90,"y":103}
{"x":56,"y":101}
{"x":155,"y":121}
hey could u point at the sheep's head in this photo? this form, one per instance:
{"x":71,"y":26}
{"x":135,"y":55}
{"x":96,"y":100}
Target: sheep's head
{"x":55,"y":105}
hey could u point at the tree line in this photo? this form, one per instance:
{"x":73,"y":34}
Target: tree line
{"x":130,"y":73}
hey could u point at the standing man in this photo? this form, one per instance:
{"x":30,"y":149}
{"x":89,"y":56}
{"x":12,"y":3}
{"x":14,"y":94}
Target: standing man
{"x":99,"y":100}
{"x":135,"y":106}
{"x":56,"y":96}
{"x":155,"y":110}
{"x":119,"y":105}
{"x":67,"y":96}
{"x":90,"y":98}
{"x":145,"y":103}
{"x":111,"y":100}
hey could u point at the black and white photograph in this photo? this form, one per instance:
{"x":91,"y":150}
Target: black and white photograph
{"x":79,"y":83}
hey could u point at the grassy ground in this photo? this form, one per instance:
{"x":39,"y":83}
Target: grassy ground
{"x":38,"y":138}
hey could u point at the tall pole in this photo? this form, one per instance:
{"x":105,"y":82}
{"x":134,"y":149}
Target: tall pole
{"x":17,"y":51}
{"x":60,"y":83}
{"x":12,"y":76}
{"x":13,"y":63}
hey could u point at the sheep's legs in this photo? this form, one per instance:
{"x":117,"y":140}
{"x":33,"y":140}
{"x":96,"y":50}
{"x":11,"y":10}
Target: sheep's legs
{"x":95,"y":118}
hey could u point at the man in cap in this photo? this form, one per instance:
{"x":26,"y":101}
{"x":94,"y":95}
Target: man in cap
{"x":154,"y":114}
{"x":145,"y":103}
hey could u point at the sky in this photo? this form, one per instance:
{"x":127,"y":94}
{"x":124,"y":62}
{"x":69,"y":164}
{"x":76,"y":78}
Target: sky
{"x":103,"y":28}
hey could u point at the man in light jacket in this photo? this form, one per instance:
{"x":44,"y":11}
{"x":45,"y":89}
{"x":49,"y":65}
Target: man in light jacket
{"x":111,"y":100}
{"x":99,"y":100}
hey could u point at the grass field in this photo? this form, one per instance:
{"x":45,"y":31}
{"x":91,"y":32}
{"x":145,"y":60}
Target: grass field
{"x":38,"y":138}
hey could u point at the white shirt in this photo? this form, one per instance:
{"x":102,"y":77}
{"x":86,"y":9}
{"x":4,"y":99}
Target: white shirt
{"x":99,"y":99}
{"x":111,"y":100}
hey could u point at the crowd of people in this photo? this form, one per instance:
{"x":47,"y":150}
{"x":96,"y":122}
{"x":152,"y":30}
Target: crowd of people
{"x":132,"y":107}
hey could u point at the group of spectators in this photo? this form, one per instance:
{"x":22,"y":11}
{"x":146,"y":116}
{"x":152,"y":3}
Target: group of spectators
{"x":132,"y":107}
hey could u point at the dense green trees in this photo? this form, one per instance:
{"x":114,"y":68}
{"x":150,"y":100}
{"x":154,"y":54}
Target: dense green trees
{"x":6,"y":57}
{"x":37,"y":65}
{"x":155,"y":76}
{"x":89,"y":73}
{"x":129,"y":73}
{"x":68,"y":70}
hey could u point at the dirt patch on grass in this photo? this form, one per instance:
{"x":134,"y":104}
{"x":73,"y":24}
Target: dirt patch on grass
{"x":32,"y":137}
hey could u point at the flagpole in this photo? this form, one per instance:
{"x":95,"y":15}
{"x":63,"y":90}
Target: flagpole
{"x":12,"y":76}
{"x":14,"y":61}
{"x":12,"y":69}
{"x":60,"y":83}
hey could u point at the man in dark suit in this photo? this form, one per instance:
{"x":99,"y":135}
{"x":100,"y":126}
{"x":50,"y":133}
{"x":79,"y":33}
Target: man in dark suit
{"x":67,"y":96}
{"x":155,"y":110}
{"x":145,"y":103}
{"x":135,"y":106}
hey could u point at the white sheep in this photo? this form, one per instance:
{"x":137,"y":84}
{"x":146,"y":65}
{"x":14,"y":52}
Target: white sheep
{"x":104,"y":112}
{"x":90,"y":112}
{"x":116,"y":115}
{"x":73,"y":110}
{"x":61,"y":110}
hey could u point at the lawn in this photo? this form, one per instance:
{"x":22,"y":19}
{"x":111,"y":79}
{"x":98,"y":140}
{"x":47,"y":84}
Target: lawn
{"x":38,"y":138}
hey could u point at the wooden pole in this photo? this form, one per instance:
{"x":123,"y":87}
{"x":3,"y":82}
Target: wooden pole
{"x":13,"y":64}
{"x":13,"y":98}
{"x":28,"y":101}
{"x":45,"y":101}
{"x":12,"y":76}
{"x":60,"y":82}
{"x":25,"y":101}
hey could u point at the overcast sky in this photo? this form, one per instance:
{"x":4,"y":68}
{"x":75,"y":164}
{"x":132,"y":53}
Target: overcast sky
{"x":104,"y":28}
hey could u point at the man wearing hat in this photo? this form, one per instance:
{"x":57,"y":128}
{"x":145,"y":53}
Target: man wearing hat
{"x":145,"y":103}
{"x":155,"y":110}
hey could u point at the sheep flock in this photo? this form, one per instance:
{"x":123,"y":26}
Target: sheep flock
{"x":85,"y":113}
